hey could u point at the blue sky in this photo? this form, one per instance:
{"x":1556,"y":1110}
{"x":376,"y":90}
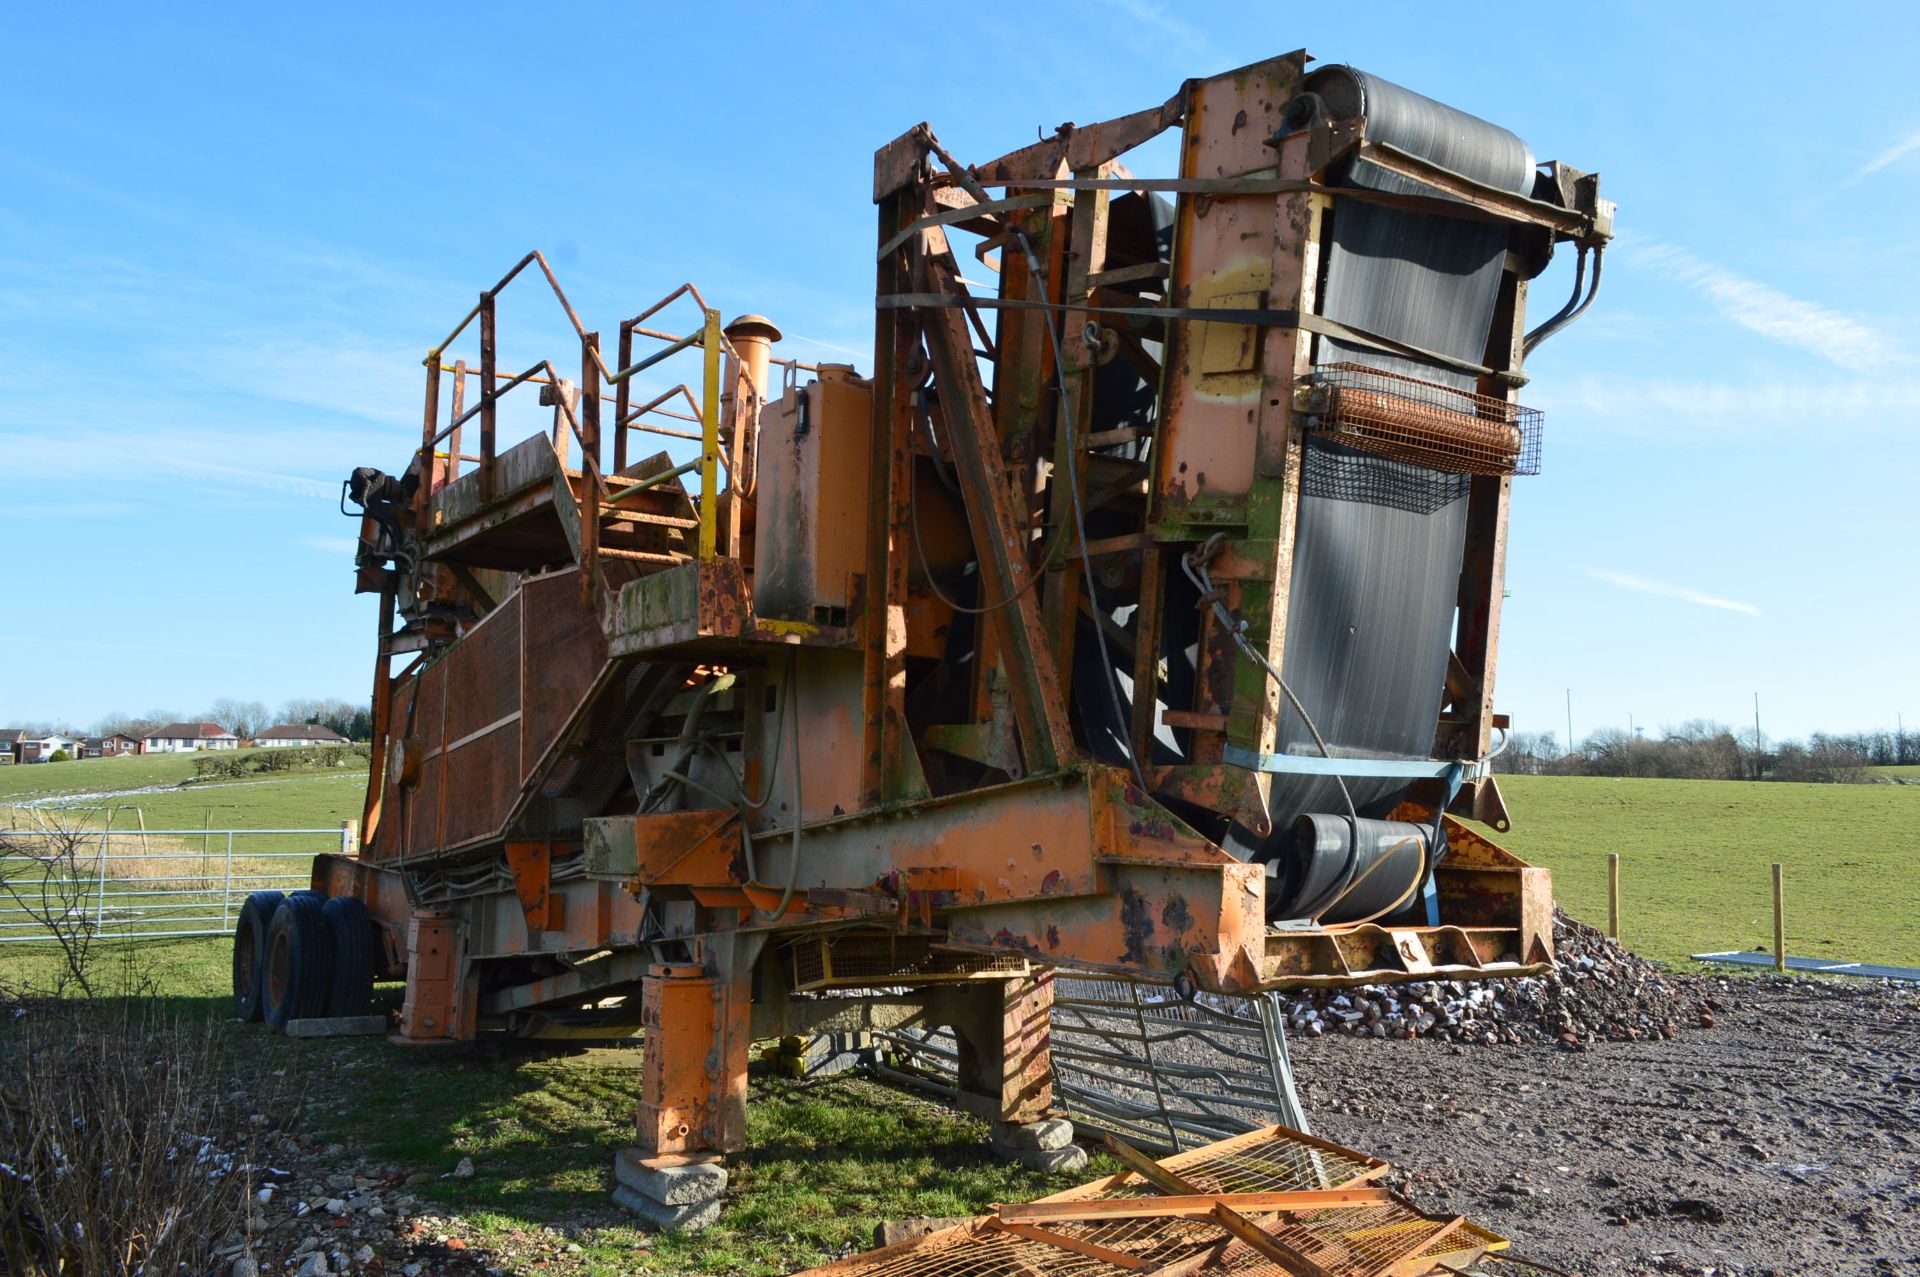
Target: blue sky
{"x":227,"y":236}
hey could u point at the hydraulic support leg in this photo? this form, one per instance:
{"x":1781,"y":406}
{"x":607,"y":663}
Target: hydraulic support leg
{"x":693,"y":1091}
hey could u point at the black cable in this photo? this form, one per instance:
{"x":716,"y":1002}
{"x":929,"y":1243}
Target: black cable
{"x":1036,"y":276}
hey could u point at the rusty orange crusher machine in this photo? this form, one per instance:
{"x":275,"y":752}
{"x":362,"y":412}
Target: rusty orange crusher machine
{"x":1137,"y":614}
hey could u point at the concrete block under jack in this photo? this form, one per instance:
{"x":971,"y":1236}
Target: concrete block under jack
{"x":688,"y":1218}
{"x":1046,"y":1145}
{"x":1054,"y":1161}
{"x":1048,"y":1134}
{"x":680,"y":1182}
{"x":337,"y":1026}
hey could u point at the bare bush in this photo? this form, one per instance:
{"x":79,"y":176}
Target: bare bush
{"x":116,"y":1156}
{"x":1825,"y":760}
{"x":47,"y":872}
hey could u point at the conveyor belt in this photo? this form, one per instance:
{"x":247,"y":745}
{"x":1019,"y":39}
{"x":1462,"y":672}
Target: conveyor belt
{"x":1378,"y":552}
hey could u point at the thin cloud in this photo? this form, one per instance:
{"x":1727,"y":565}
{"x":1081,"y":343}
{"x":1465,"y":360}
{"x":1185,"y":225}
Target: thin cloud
{"x":1892,"y":155}
{"x":331,"y":545}
{"x":828,"y":345}
{"x":1646,"y":585}
{"x":1148,"y":14}
{"x":1658,"y":407}
{"x":1814,"y":328}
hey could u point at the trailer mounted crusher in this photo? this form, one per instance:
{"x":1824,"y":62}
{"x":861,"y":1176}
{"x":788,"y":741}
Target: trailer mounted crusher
{"x":1137,"y":612}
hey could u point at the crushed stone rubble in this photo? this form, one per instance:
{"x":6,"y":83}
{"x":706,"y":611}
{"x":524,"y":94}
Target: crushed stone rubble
{"x":318,"y":1210}
{"x":1597,"y":991}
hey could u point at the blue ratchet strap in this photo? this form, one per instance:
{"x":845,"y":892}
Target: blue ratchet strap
{"x":1455,"y":774}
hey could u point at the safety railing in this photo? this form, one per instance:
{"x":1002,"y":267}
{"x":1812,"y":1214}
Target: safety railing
{"x":598,"y":498}
{"x":116,"y":885}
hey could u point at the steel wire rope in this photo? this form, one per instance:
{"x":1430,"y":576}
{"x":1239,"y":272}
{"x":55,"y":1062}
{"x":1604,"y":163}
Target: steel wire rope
{"x":792,"y":708}
{"x":1034,"y":576}
{"x":1193,"y":563}
{"x":1036,"y":277}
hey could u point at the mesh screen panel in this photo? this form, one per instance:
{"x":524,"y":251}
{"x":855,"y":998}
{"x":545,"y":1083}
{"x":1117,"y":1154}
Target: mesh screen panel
{"x":485,"y":777}
{"x":868,"y":961}
{"x":482,"y":676}
{"x":565,"y":651}
{"x":1389,"y":1237}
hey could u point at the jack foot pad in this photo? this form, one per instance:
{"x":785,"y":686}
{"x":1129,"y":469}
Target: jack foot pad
{"x":1046,"y":1145}
{"x":681,"y":1193}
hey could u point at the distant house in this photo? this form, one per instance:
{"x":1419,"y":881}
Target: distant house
{"x":114,"y":746}
{"x":41,"y":749}
{"x":10,"y":745}
{"x":185,"y":738}
{"x":298,"y":734}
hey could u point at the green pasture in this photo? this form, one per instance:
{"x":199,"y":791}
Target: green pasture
{"x":1696,"y":855}
{"x":96,"y":791}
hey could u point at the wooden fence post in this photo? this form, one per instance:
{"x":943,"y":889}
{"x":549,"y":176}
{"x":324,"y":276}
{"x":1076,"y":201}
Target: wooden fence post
{"x":1613,"y":895}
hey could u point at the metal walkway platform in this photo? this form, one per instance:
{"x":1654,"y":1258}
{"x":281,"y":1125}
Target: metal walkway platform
{"x":1819,"y":966}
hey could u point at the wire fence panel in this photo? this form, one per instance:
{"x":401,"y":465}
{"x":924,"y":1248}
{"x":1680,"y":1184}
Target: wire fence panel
{"x":1159,"y":1070}
{"x":147,"y":884}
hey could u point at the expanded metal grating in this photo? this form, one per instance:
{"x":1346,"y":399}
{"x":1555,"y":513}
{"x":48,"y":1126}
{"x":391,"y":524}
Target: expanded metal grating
{"x":1422,"y":423}
{"x":869,"y":960}
{"x":1389,"y":1238}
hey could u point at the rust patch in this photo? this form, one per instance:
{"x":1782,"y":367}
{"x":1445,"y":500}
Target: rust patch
{"x":1051,"y":883}
{"x":1006,"y":939}
{"x":1053,"y":936}
{"x":1136,"y":922}
{"x":1175,"y":914}
{"x":1158,"y":830}
{"x":1038,"y":851}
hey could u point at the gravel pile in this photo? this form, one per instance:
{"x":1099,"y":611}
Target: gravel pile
{"x":1597,"y":991}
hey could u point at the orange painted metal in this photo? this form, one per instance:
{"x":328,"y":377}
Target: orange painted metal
{"x":678,"y":1005}
{"x":531,"y":864}
{"x":434,"y":1009}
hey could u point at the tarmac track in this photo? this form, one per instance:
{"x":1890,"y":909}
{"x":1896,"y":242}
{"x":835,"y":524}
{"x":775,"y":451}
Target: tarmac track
{"x":1783,"y":1140}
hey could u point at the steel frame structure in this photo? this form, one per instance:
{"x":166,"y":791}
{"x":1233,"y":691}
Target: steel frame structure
{"x":561,"y":833}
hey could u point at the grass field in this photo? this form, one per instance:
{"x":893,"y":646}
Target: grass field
{"x":1903,"y":771}
{"x":96,"y":790}
{"x":1695,"y":859}
{"x":831,"y":1158}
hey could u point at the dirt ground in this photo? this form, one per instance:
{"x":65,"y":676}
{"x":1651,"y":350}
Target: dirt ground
{"x":1785,"y":1139}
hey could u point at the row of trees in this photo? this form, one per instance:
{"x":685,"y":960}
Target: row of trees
{"x":243,"y":718}
{"x":1706,"y":750}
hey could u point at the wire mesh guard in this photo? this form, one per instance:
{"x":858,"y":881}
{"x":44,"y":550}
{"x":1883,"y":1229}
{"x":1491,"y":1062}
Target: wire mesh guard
{"x":1424,"y":424}
{"x":1379,"y":1238}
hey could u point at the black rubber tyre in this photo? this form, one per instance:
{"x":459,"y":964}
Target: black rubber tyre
{"x":299,"y":961}
{"x":350,"y":982}
{"x":250,"y":953}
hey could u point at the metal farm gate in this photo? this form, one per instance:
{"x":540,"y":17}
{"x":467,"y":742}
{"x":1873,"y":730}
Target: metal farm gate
{"x":147,"y":884}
